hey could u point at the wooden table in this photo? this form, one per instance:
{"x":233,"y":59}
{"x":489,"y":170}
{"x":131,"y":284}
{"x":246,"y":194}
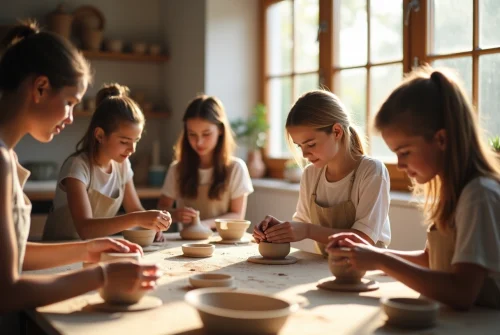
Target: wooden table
{"x":322,"y":312}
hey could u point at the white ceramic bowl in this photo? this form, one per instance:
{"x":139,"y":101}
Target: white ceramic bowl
{"x":198,"y":249}
{"x":410,"y":312}
{"x":231,"y":229}
{"x":211,"y":280}
{"x":139,"y":235}
{"x":274,"y":250}
{"x":223,"y":311}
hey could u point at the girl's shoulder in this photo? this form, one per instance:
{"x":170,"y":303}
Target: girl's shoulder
{"x":370,"y":167}
{"x":237,"y":163}
{"x":480,"y":188}
{"x":79,"y":160}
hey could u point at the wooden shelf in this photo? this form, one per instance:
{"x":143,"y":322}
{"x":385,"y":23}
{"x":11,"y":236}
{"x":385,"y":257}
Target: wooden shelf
{"x":148,"y":115}
{"x":120,"y":56}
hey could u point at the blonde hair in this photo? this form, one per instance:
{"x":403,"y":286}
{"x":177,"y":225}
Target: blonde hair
{"x":320,"y":110}
{"x":428,"y":101}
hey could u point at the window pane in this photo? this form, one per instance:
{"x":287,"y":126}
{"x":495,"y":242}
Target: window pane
{"x":489,"y":12}
{"x":351,"y":34}
{"x":305,"y":83}
{"x":463,"y":66}
{"x":489,"y":87}
{"x":451,"y":27}
{"x":306,"y":35}
{"x":383,"y":79}
{"x":280,"y":102}
{"x":351,"y":88}
{"x":279,"y":38}
{"x":386,"y":28}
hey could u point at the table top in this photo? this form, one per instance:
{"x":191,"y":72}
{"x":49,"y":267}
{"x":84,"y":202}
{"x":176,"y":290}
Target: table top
{"x":322,"y":312}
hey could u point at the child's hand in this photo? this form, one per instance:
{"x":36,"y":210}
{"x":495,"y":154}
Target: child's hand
{"x":154,"y":220}
{"x":287,"y":232}
{"x":340,"y":240}
{"x":258,"y":230}
{"x":349,"y":248}
{"x":129,"y":276}
{"x":94,"y":248}
{"x":185,"y":215}
{"x":159,"y":237}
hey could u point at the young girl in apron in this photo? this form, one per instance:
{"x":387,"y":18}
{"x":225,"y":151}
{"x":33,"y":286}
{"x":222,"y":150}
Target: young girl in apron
{"x":42,"y":76}
{"x":342,"y":190}
{"x":205,"y":176}
{"x":97,"y":179}
{"x":430,"y":124}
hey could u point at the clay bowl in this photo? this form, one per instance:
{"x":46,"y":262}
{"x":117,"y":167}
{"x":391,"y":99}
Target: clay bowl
{"x":143,"y":237}
{"x":343,"y":273}
{"x":211,"y":280}
{"x":198,"y":249}
{"x":410,"y":312}
{"x":223,"y":311}
{"x":274,"y":250}
{"x":113,"y":296}
{"x":231,"y":229}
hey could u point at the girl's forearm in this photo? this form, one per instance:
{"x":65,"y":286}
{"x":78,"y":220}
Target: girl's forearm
{"x":47,"y":255}
{"x":320,"y":234}
{"x":100,"y":227}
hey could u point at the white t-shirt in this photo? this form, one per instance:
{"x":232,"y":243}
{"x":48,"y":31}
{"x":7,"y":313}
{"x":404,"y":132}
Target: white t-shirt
{"x":370,"y":196}
{"x":106,"y":183}
{"x":239,"y":181}
{"x":477,"y":222}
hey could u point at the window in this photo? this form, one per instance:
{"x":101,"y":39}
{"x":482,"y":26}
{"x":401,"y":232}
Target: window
{"x":362,"y":49}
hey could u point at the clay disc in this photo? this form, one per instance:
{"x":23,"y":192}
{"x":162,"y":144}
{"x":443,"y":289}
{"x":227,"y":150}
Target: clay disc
{"x":243,"y":240}
{"x":332,"y":285}
{"x":262,"y":260}
{"x":147,"y":302}
{"x":151,"y":248}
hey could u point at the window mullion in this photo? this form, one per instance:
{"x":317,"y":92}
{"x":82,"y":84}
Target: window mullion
{"x":475,"y":56}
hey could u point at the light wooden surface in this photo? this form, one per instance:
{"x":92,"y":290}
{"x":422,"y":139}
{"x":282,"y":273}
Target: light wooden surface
{"x":322,"y":312}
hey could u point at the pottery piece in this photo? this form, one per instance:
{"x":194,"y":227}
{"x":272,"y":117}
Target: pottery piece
{"x":231,"y":229}
{"x":148,"y":302}
{"x":195,"y":230}
{"x":332,"y":284}
{"x":143,"y":237}
{"x":198,"y":250}
{"x":154,"y":49}
{"x":255,"y":164}
{"x":113,"y":296}
{"x":274,"y":250}
{"x":139,"y":48}
{"x":344,"y":273}
{"x":410,"y":312}
{"x":92,"y":39}
{"x":60,"y":21}
{"x":211,"y":280}
{"x":114,"y":45}
{"x":261,"y":260}
{"x":224,"y":311}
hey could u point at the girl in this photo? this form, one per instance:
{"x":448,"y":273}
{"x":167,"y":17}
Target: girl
{"x":342,"y":189}
{"x":42,"y":77}
{"x":97,"y":179}
{"x":205,"y":176}
{"x":430,"y":124}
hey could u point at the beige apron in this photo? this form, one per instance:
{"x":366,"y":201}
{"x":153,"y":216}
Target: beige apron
{"x":441,"y":248}
{"x":60,"y":226}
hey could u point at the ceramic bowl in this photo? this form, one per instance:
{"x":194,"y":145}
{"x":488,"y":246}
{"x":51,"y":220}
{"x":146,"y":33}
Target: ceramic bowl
{"x":344,"y":273}
{"x":139,"y":48}
{"x":223,"y":311}
{"x":410,"y":312}
{"x":198,"y":249}
{"x":211,"y":280}
{"x":231,"y":229}
{"x":274,"y":250}
{"x":114,"y":45}
{"x":143,"y":237}
{"x":154,"y":49}
{"x":113,"y":296}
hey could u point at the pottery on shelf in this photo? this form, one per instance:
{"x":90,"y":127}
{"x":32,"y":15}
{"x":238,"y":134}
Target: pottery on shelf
{"x":60,"y":21}
{"x":344,"y":273}
{"x":195,"y":230}
{"x":255,"y":164}
{"x":274,"y":250}
{"x":231,"y":229}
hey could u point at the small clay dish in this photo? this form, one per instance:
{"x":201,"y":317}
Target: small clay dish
{"x":211,"y":280}
{"x":344,"y":273}
{"x":231,"y":229}
{"x":198,"y":249}
{"x":143,"y":237}
{"x":410,"y":312}
{"x":274,"y":250}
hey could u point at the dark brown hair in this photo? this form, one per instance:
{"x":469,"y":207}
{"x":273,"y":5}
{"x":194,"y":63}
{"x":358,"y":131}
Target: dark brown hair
{"x":210,"y":109}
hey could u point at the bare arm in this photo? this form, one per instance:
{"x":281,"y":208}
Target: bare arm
{"x":320,"y":234}
{"x":166,"y":203}
{"x":237,"y":210}
{"x":47,"y":255}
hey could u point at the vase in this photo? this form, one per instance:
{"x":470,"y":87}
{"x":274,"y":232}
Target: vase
{"x":255,"y":164}
{"x":195,"y":231}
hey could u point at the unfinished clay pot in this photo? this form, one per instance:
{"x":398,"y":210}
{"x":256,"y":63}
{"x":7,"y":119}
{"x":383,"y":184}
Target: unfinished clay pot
{"x":410,"y":312}
{"x":113,"y":296}
{"x":198,"y":249}
{"x":344,"y":273}
{"x":195,"y":231}
{"x":274,"y":250}
{"x":223,"y":311}
{"x":211,"y":280}
{"x":231,"y":229}
{"x":143,"y":237}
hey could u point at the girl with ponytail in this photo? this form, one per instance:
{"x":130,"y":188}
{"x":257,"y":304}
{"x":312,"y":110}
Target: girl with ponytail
{"x":431,"y":125}
{"x":342,"y":190}
{"x":96,"y":180}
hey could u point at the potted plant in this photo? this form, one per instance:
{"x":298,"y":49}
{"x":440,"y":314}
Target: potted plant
{"x":495,"y":144}
{"x":251,"y":132}
{"x":293,"y":171}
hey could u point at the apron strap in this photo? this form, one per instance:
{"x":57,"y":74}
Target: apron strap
{"x":353,"y":177}
{"x":317,"y":180}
